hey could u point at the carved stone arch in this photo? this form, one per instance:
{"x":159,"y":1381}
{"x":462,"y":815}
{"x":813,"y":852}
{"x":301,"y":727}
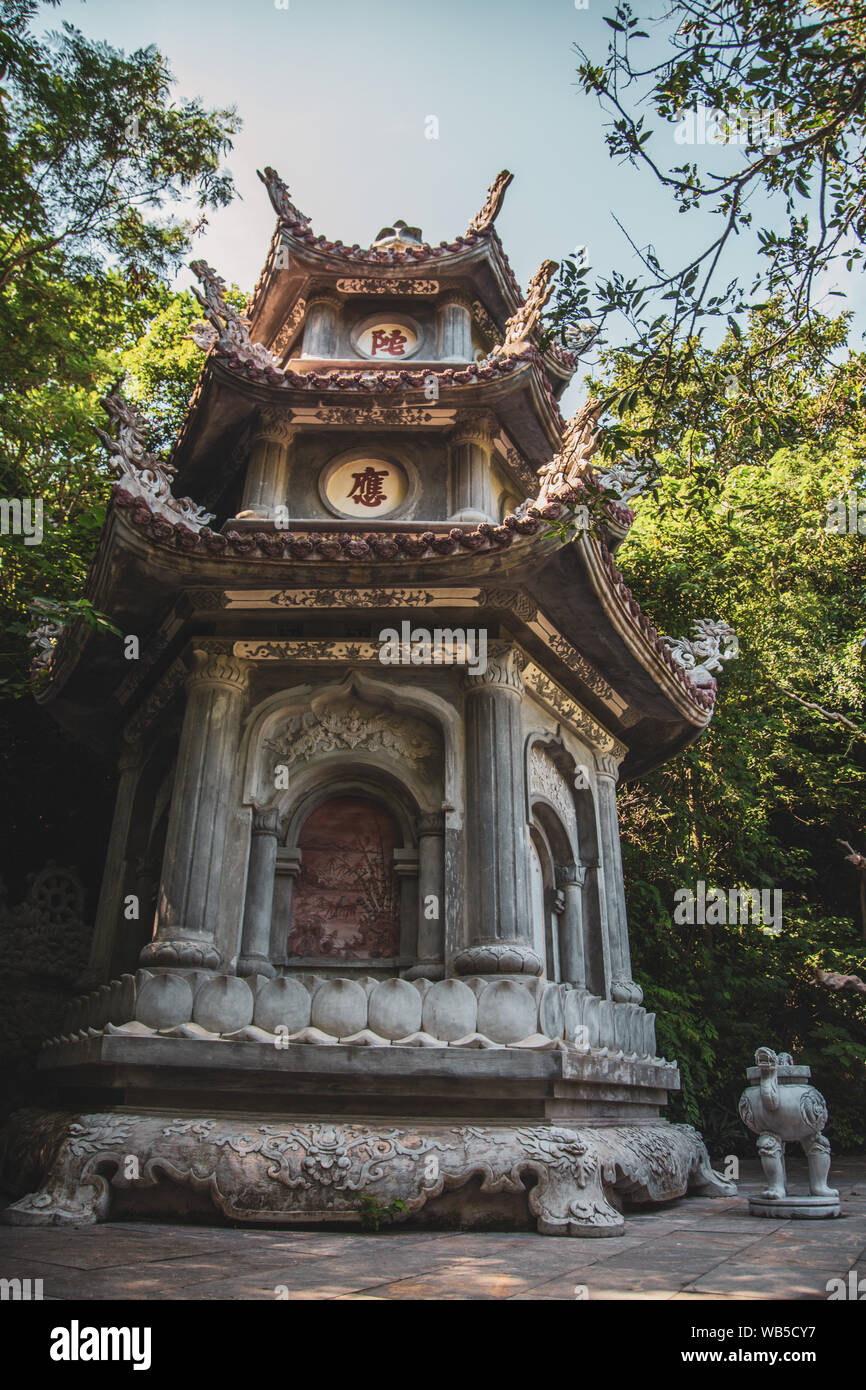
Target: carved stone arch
{"x":550,"y":772}
{"x":403,"y":703}
{"x":320,"y":782}
{"x":565,"y":812}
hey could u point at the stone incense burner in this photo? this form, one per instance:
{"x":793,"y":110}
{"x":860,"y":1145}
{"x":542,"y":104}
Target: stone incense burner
{"x":781,"y":1108}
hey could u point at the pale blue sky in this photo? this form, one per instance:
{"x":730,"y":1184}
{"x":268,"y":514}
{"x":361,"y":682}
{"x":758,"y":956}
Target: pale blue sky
{"x":335,"y":94}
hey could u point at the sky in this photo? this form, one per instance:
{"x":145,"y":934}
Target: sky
{"x":337,"y":95}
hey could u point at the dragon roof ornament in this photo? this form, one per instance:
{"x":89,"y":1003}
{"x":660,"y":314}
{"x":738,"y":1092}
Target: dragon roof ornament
{"x":227,"y":331}
{"x":524,"y":320}
{"x":142,"y":473}
{"x":483,"y":220}
{"x":579,"y":442}
{"x":281,"y":200}
{"x":714,"y":642}
{"x":627,"y":479}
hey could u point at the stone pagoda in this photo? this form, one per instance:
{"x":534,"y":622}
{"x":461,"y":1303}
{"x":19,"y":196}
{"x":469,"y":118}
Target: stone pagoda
{"x":362,"y":931}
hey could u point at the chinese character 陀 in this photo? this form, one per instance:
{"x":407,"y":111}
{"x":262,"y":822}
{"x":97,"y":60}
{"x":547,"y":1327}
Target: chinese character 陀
{"x":393,"y":343}
{"x":367,"y":487}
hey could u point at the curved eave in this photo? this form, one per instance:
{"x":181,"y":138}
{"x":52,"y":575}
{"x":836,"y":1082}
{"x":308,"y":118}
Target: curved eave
{"x":145,"y":564}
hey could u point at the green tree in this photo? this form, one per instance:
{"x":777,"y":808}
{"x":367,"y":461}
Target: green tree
{"x":97,"y":159}
{"x":781,"y":168}
{"x":761,"y":799}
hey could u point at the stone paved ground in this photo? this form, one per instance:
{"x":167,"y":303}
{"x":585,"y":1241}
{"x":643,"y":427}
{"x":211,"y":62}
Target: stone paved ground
{"x":696,"y":1248}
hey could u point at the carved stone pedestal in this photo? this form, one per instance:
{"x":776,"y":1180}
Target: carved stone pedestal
{"x":283,"y":1171}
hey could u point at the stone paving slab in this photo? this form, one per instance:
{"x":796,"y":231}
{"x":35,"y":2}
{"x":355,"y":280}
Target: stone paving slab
{"x":695,"y":1249}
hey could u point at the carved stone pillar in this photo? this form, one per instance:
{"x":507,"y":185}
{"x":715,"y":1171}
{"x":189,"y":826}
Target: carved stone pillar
{"x":189,"y":892}
{"x":288,"y":868}
{"x":622,"y":987}
{"x":499,"y":920}
{"x":256,"y":944}
{"x":472,"y":493}
{"x":266,"y":481}
{"x":320,"y":326}
{"x":454,"y":329}
{"x":109,"y":912}
{"x":406,"y":871}
{"x":431,"y":901}
{"x":570,"y":879}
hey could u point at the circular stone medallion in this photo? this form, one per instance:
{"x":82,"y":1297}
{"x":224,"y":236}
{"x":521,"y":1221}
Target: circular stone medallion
{"x":387,"y":339}
{"x":365,"y":487}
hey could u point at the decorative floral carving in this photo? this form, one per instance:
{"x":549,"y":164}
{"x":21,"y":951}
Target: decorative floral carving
{"x":374,"y":415}
{"x":316,"y":733}
{"x":487,"y":325}
{"x":392,"y":286}
{"x":545,"y":779}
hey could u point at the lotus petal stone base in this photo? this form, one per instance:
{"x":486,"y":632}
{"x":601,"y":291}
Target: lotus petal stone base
{"x":796,"y":1208}
{"x":284,"y":1171}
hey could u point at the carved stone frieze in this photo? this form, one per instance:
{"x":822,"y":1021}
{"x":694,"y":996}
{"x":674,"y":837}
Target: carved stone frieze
{"x":545,"y":779}
{"x":560,"y":703}
{"x":317,"y":733}
{"x":283,"y":1171}
{"x":380,"y":285}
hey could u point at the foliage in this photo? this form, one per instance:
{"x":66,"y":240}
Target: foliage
{"x":736,"y":529}
{"x":785,"y":84}
{"x":96,"y":154}
{"x":375,"y":1213}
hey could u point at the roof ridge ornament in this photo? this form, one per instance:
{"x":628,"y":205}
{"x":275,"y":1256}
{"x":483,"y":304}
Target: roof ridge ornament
{"x":579,"y":442}
{"x":524,"y":320}
{"x":141,"y":472}
{"x":713,"y":643}
{"x":227,"y":331}
{"x":483,"y":220}
{"x":281,"y":200}
{"x":400,"y":234}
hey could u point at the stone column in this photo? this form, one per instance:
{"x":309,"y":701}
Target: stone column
{"x":256,"y":943}
{"x":499,"y":920}
{"x":320,"y":325}
{"x":430,"y":948}
{"x":570,"y":879}
{"x":109,"y":913}
{"x":266,"y":483}
{"x":622,"y":987}
{"x":189,"y":892}
{"x":454,"y":328}
{"x":472,"y":492}
{"x":288,"y":868}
